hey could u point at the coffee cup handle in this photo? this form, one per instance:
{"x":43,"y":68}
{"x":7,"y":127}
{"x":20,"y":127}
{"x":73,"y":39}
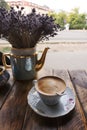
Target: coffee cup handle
{"x":4,"y":60}
{"x":34,"y":83}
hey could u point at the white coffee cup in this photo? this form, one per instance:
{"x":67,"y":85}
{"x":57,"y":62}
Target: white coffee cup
{"x":50,"y":89}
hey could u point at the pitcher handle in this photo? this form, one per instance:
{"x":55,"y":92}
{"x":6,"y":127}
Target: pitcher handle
{"x":4,"y":60}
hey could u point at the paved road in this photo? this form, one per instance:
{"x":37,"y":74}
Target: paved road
{"x":69,"y":59}
{"x":66,"y":60}
{"x":71,"y":36}
{"x":66,"y":36}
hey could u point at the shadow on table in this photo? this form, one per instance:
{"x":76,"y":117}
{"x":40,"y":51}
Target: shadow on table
{"x":40,"y":122}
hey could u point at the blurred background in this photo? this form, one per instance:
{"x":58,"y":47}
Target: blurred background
{"x":69,"y":47}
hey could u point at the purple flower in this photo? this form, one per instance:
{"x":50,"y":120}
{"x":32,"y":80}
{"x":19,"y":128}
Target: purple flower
{"x":23,"y":31}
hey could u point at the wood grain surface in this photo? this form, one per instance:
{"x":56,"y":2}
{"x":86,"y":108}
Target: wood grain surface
{"x":15,"y":113}
{"x":75,"y":120}
{"x":79,"y":80}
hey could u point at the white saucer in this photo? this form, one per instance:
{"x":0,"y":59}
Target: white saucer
{"x":65,"y":104}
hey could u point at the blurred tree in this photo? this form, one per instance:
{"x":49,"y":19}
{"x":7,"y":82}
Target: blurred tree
{"x":76,"y":20}
{"x":4,"y":4}
{"x":60,"y":18}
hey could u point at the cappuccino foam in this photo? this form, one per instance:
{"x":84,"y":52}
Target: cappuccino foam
{"x":51,"y":86}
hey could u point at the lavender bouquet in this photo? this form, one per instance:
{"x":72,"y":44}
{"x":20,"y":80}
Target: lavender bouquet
{"x":25,"y":31}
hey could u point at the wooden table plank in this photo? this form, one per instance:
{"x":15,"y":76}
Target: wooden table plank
{"x":35,"y":122}
{"x":13,"y":111}
{"x":17,"y":115}
{"x":44,"y":72}
{"x":75,"y":120}
{"x":5,"y":90}
{"x":79,"y":79}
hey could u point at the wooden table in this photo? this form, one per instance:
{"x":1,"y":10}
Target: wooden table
{"x":15,"y":113}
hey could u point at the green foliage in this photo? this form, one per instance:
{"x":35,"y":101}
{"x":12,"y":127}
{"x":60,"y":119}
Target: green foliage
{"x":75,"y":19}
{"x":6,"y":49}
{"x":86,"y":27}
{"x":4,"y":4}
{"x":61,"y":18}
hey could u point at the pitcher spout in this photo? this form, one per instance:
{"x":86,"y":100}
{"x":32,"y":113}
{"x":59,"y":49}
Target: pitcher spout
{"x":41,"y":62}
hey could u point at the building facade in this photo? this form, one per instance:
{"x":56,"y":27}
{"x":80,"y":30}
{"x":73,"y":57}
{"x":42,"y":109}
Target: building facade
{"x":28,"y":6}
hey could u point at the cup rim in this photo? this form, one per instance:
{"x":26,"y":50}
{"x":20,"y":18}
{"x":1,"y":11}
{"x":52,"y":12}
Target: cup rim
{"x":53,"y":77}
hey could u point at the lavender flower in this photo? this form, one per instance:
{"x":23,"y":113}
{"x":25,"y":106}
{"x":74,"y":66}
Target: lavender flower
{"x":25,"y":31}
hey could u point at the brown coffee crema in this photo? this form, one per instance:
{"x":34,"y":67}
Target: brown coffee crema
{"x":51,"y":86}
